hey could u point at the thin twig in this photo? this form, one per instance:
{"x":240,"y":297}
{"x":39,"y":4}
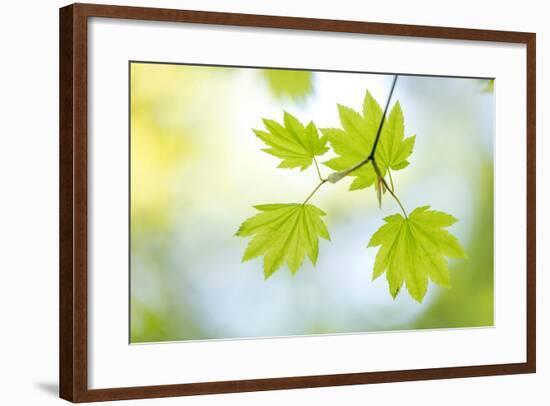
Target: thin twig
{"x":336,"y":176}
{"x":314,"y":190}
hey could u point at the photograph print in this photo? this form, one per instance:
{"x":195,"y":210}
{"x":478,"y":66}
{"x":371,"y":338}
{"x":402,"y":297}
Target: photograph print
{"x":274,"y":202}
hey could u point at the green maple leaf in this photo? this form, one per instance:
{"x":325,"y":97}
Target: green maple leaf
{"x":284,"y":233}
{"x":292,"y":84}
{"x":354,"y":141}
{"x":292,"y":142}
{"x":393,"y":148}
{"x":489,"y":86}
{"x":413,"y":250}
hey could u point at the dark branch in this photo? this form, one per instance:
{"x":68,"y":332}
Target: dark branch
{"x":373,"y":150}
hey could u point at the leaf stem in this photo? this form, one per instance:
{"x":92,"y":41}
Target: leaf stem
{"x":391,"y":181}
{"x":377,"y":170}
{"x":318,"y":170}
{"x":323,"y":181}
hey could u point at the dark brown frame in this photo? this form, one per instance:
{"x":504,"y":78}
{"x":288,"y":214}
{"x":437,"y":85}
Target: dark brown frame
{"x":73,"y":361}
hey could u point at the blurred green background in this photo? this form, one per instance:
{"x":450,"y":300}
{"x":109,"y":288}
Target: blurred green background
{"x":197,"y":168}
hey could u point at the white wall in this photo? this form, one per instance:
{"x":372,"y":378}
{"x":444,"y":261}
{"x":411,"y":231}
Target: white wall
{"x":29,"y":187}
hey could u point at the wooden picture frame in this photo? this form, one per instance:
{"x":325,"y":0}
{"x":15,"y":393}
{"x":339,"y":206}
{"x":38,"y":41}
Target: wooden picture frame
{"x":73,"y":207}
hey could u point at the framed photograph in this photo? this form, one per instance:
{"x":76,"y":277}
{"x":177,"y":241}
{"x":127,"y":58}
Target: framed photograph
{"x":254,"y":202}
